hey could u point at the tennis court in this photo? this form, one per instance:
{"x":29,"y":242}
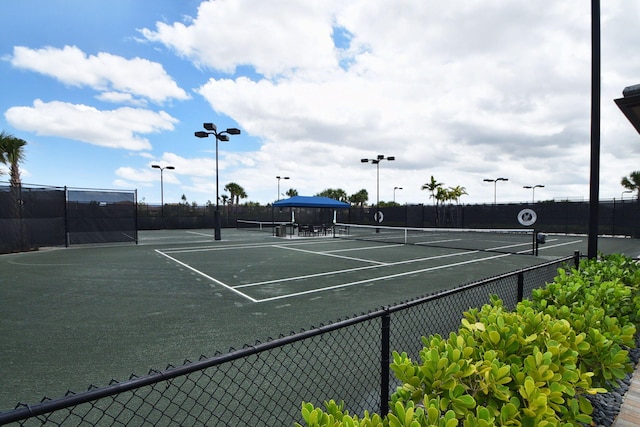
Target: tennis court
{"x":84,"y":315}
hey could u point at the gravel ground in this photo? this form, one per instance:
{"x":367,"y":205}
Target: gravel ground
{"x":606,"y":407}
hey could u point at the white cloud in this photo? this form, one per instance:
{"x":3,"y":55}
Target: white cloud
{"x":120,"y":128}
{"x":121,"y":98}
{"x":104,"y":72}
{"x":460,"y":90}
{"x":276,"y":37}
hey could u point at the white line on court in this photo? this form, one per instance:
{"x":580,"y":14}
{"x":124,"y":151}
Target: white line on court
{"x":385,"y":246}
{"x":349,"y":270}
{"x":331,"y":255}
{"x":545,"y":246}
{"x":207,"y":276}
{"x":200,"y":234}
{"x":391,"y":276}
{"x":217,"y":248}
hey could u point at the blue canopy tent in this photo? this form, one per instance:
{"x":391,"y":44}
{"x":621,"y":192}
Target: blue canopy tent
{"x":311,"y":202}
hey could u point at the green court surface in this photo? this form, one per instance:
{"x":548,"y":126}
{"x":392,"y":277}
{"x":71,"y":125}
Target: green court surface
{"x":77,"y":316}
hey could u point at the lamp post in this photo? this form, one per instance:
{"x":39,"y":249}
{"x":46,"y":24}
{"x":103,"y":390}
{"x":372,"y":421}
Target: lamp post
{"x":376,"y":162}
{"x":622,"y":194}
{"x":279,"y":178}
{"x":495,"y":184}
{"x":162,"y":184}
{"x":533,"y":191}
{"x":394,"y":193}
{"x":219,"y":136}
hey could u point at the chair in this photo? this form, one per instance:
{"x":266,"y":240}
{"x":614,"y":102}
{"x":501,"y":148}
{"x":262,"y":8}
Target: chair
{"x":304,"y":230}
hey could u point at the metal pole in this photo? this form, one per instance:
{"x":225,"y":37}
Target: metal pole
{"x":594,"y":187}
{"x":162,"y":192}
{"x":378,"y":186}
{"x":216,"y":215}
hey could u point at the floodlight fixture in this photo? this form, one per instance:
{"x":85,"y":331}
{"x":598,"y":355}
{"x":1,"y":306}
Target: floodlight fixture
{"x":376,"y":161}
{"x":533,"y":190}
{"x":212,"y":129}
{"x":495,"y":183}
{"x":279,"y":178}
{"x":394,"y":193}
{"x":162,"y":185}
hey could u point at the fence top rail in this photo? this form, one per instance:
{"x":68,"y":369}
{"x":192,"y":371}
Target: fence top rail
{"x":24,"y":411}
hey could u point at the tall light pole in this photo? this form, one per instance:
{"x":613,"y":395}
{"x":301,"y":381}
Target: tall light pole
{"x":622,"y":194}
{"x":219,"y":136}
{"x":533,"y":191}
{"x":394,"y":193}
{"x":495,"y":184}
{"x":162,"y":184}
{"x":376,"y":162}
{"x":279,"y":178}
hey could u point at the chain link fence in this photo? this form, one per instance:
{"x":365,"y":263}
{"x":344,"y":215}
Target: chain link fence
{"x":265,"y":384}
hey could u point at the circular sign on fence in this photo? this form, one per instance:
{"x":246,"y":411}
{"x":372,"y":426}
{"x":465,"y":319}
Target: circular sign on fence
{"x":527,"y":217}
{"x":378,"y":217}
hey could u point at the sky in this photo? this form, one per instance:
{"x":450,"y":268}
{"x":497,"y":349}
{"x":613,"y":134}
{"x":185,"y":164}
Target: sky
{"x":462,"y":90}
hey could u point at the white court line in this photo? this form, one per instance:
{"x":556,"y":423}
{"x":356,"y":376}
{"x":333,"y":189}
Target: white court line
{"x":386,"y":245}
{"x":217,"y":248}
{"x":391,"y":276}
{"x":200,"y":234}
{"x":331,"y":255}
{"x":349,"y":270}
{"x":545,"y":246}
{"x":240,"y":246}
{"x":207,"y":276}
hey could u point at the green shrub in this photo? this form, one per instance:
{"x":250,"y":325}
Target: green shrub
{"x":528,"y":367}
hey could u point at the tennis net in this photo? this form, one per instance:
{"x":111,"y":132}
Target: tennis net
{"x":273,"y":227}
{"x":513,"y":241}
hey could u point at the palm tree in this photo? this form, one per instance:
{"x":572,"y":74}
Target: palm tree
{"x":11,"y":154}
{"x":359,"y":198}
{"x":433,"y":187}
{"x":632,"y":182}
{"x":291,"y":192}
{"x":457,"y":192}
{"x":236,"y":193}
{"x":336,"y":194}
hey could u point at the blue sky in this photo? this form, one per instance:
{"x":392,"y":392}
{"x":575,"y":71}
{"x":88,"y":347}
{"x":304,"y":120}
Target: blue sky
{"x":461,"y":90}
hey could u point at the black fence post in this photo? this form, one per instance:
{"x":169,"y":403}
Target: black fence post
{"x":520,"y":286}
{"x":576,"y":259}
{"x":385,"y":359}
